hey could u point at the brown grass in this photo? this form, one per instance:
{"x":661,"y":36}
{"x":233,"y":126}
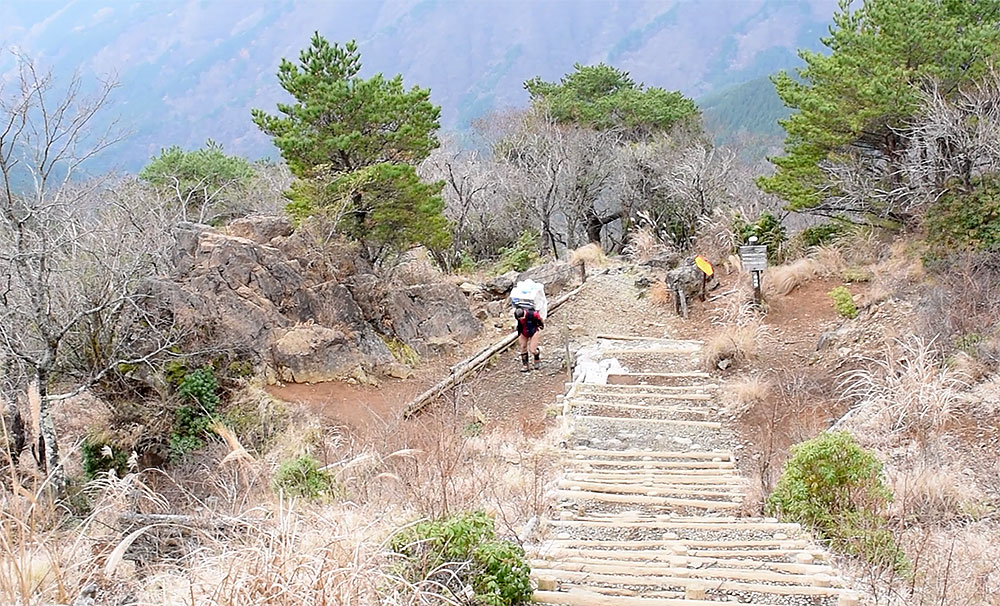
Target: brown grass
{"x":592,"y":255}
{"x":660,"y":295}
{"x":907,"y":392}
{"x":643,"y":245}
{"x":745,"y":393}
{"x":737,"y":343}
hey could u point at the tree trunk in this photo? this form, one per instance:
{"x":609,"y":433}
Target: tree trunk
{"x":48,"y":442}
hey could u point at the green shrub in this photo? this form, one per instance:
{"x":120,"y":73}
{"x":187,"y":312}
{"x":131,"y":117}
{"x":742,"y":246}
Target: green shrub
{"x":823,"y":234}
{"x":969,"y":343}
{"x":856,"y":274}
{"x":463,"y":550}
{"x":843,"y":302}
{"x":402,"y":352}
{"x":965,"y":221}
{"x":199,"y":392}
{"x":303,"y":477}
{"x":99,"y":455}
{"x":833,"y":485}
{"x":768,"y":230}
{"x":521,"y":255}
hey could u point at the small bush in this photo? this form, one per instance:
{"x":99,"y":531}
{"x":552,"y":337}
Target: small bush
{"x":843,"y":302}
{"x":303,"y":477}
{"x":521,"y":255}
{"x":463,"y":550}
{"x":99,"y":455}
{"x":402,"y":352}
{"x":659,"y":294}
{"x":822,"y":234}
{"x":965,"y":221}
{"x":199,"y":390}
{"x":856,"y":274}
{"x":833,"y":485}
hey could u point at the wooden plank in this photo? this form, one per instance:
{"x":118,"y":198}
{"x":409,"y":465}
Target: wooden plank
{"x":707,"y":424}
{"x":682,"y":467}
{"x":666,"y":388}
{"x":621,"y":351}
{"x":673,"y":581}
{"x":653,"y":396}
{"x":616,"y":388}
{"x":629,"y":558}
{"x":659,"y":409}
{"x":780,"y":546}
{"x":464,"y":368}
{"x":586,"y":598}
{"x":647,"y":569}
{"x":660,"y":525}
{"x":600,"y":497}
{"x":659,"y":490}
{"x":665,"y":375}
{"x":633,"y":478}
{"x":725,"y":455}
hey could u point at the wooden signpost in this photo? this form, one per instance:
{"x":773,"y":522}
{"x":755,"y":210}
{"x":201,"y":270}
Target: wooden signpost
{"x":754,"y":259}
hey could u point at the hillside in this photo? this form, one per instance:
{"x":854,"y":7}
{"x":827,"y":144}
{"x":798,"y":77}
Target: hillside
{"x":192,"y":70}
{"x":748,"y":109}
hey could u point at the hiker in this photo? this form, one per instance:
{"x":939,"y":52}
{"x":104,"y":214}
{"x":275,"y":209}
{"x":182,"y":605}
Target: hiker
{"x":529,"y":322}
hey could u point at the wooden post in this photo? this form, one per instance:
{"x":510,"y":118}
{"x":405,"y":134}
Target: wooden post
{"x":695,"y":591}
{"x":583,"y":272}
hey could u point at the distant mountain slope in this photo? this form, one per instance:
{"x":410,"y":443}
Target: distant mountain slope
{"x":752,"y":108}
{"x":192,"y":69}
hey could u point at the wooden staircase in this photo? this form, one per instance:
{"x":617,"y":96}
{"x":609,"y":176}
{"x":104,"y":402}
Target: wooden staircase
{"x":650,"y":497}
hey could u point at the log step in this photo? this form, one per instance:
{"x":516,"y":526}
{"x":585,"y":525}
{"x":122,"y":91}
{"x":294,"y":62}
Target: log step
{"x":600,"y":497}
{"x":663,"y":581}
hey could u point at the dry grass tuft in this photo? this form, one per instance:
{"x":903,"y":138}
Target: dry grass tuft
{"x":747,"y":392}
{"x":823,"y":262}
{"x":933,"y":492}
{"x":592,"y":255}
{"x":907,"y":392}
{"x":733,"y":346}
{"x":643,"y":245}
{"x":659,"y":294}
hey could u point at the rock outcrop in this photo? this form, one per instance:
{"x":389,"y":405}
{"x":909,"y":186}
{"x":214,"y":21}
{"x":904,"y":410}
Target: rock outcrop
{"x":262,"y":290}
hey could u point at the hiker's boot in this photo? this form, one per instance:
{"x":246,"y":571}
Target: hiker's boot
{"x":524,"y":362}
{"x":538,"y":362}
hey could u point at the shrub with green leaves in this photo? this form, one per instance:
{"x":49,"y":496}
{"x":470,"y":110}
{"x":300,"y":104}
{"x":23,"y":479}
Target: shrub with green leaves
{"x":305,"y":478}
{"x":843,"y":302}
{"x":463,"y":550}
{"x":521,"y":255}
{"x":99,"y":455}
{"x":962,"y":221}
{"x":823,"y":233}
{"x":833,"y":485}
{"x":768,"y":230}
{"x":199,"y":391}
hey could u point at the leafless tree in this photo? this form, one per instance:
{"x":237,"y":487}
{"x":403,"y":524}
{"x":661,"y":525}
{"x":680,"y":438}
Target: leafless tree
{"x":71,"y":259}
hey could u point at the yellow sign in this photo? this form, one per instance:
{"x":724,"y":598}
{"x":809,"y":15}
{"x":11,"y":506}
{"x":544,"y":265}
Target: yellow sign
{"x":704,"y":265}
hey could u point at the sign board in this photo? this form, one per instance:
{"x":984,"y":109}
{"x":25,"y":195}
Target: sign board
{"x":754,"y":258}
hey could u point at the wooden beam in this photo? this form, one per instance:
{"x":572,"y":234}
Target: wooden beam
{"x":659,"y":409}
{"x":725,"y":455}
{"x":467,"y":366}
{"x":638,"y":489}
{"x":708,"y":424}
{"x":588,"y":598}
{"x":629,"y":558}
{"x":676,"y":581}
{"x":584,"y":495}
{"x":684,"y":525}
{"x":683,"y":467}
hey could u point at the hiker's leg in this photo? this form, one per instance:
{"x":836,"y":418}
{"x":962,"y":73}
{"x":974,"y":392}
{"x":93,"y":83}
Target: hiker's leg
{"x":533,"y":346}
{"x":522,"y":342}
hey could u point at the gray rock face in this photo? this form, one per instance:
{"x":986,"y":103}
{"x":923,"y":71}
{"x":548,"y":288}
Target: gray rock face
{"x":293,"y":312}
{"x":500,"y":286}
{"x":554,"y":275}
{"x":260,"y":229}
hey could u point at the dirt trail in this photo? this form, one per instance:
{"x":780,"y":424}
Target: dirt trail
{"x":648,"y":506}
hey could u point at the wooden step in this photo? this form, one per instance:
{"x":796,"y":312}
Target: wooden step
{"x":588,"y":598}
{"x":655,"y":489}
{"x":724,"y":455}
{"x":631,"y":557}
{"x":640,"y":407}
{"x":600,"y":497}
{"x":679,"y":467}
{"x":677,"y":581}
{"x":708,"y":572}
{"x":780,"y":546}
{"x":685,"y":524}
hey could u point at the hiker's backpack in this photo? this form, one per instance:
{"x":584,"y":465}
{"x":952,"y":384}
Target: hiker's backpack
{"x":528,"y":294}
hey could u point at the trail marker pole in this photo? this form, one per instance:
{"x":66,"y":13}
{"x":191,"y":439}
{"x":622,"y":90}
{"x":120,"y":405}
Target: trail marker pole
{"x":754,"y":259}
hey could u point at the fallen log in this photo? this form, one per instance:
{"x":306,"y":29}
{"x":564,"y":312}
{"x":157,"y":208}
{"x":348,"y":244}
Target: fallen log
{"x":464,"y":368}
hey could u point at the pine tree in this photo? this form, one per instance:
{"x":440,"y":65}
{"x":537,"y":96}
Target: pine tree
{"x":353,"y":144}
{"x":854,"y":101}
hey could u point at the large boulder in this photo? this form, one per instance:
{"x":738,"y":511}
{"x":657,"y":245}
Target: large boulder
{"x":554,"y":275}
{"x":261,"y":229}
{"x":500,"y":286}
{"x":314,"y":353}
{"x":429,"y":317}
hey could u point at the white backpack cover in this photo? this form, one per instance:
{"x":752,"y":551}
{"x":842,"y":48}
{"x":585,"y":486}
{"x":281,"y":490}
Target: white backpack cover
{"x":528,"y":293}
